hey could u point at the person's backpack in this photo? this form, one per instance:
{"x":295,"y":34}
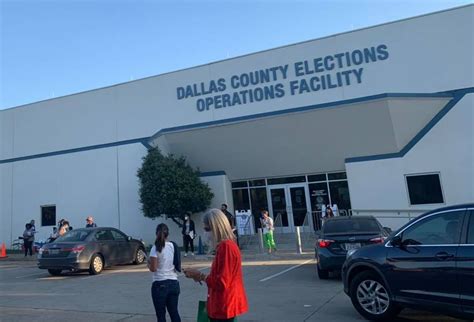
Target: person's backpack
{"x":176,"y":257}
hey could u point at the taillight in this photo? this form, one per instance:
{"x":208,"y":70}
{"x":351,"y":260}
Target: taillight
{"x":377,"y":240}
{"x":76,"y":249}
{"x":324,"y":243}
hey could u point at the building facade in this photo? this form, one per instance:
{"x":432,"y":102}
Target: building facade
{"x":378,"y":121}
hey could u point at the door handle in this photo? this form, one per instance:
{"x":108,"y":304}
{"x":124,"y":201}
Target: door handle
{"x":443,"y":256}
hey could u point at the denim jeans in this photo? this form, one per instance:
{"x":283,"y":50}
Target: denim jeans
{"x":165,"y":296}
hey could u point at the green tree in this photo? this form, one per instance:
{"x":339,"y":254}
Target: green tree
{"x":170,"y":187}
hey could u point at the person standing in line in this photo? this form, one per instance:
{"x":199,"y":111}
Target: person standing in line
{"x":28,"y":239}
{"x":54,"y":234}
{"x":33,"y":228}
{"x":164,"y":263}
{"x":189,"y":233}
{"x":226,"y":297}
{"x":90,"y":222}
{"x":64,"y":228}
{"x":232,"y":222}
{"x":329,"y":212}
{"x":267,"y":225}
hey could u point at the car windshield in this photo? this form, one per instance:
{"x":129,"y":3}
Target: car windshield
{"x":74,"y":235}
{"x":351,"y":225}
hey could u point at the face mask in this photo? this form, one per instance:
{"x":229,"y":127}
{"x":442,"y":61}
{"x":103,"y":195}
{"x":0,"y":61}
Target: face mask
{"x":186,"y":218}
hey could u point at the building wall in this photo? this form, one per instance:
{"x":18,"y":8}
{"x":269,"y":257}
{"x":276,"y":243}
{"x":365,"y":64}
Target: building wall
{"x":447,"y":148}
{"x":143,"y":107}
{"x":102,"y":182}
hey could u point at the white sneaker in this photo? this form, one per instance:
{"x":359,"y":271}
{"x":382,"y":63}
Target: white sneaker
{"x":192,"y":254}
{"x":185,"y":254}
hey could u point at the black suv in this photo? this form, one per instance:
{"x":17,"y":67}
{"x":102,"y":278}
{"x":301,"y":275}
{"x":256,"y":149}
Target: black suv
{"x":427,"y":264}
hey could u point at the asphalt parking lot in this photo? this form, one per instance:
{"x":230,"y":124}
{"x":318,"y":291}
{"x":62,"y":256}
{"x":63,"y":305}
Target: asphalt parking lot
{"x":281,"y":287}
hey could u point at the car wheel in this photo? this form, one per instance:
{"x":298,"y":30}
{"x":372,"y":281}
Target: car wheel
{"x":323,"y":274}
{"x":371,"y":297}
{"x":139,"y":256}
{"x":54,"y":272}
{"x":96,"y":265}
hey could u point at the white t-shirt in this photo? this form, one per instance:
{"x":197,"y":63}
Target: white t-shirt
{"x":165,"y":269}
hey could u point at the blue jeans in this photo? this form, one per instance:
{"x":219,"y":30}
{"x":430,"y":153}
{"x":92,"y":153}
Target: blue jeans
{"x":165,"y":296}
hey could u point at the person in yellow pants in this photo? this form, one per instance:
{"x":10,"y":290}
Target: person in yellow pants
{"x":267,"y":225}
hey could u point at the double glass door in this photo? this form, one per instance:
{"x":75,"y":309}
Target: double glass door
{"x":289,"y":206}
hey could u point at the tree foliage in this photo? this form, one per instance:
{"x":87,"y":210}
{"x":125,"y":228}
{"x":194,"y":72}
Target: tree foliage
{"x":170,"y":187}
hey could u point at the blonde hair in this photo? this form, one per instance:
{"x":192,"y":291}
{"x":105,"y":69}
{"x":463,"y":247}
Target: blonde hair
{"x":219,"y":225}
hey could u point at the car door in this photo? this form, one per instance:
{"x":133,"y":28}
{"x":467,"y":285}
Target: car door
{"x":122,"y":247}
{"x":422,"y":269}
{"x":106,"y":245}
{"x":465,"y":263}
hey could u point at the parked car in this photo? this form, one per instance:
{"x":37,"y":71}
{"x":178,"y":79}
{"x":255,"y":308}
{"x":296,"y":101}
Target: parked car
{"x":427,"y":264}
{"x":90,"y":249}
{"x":342,"y":234}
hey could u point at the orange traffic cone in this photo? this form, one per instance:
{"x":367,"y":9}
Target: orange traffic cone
{"x":3,"y":252}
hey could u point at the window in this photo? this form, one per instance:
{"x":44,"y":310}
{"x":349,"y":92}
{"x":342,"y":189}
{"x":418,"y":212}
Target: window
{"x":340,"y":194}
{"x":424,"y":189}
{"x":317,"y":177}
{"x":439,"y":229}
{"x":48,"y":215}
{"x":259,"y":200}
{"x":257,"y":183}
{"x":74,"y":236}
{"x":287,"y":180}
{"x":337,"y":176}
{"x":318,"y":194}
{"x":118,"y":236}
{"x":470,"y":232}
{"x":352,"y":225}
{"x":104,"y":235}
{"x":241,"y":199}
{"x":239,"y":184}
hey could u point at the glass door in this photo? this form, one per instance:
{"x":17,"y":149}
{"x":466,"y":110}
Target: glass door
{"x":279,"y":209}
{"x":289,"y":207}
{"x":299,"y":206}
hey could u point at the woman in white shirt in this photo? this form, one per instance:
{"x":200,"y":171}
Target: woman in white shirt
{"x":165,"y":288}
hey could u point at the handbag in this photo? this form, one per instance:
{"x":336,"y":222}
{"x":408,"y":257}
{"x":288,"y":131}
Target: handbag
{"x":202,"y":312}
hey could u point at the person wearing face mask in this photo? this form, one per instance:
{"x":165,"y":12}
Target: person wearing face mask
{"x":189,"y":233}
{"x":225,"y":286}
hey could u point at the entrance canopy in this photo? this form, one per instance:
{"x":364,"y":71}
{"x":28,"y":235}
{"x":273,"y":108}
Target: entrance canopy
{"x":303,"y":140}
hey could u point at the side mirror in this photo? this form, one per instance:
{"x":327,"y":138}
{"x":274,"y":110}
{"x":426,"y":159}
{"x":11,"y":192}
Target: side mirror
{"x":396,"y":241}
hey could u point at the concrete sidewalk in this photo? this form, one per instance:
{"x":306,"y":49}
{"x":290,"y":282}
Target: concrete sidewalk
{"x":247,"y":255}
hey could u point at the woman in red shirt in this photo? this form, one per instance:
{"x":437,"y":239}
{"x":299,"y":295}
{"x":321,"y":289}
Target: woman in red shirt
{"x":226,"y":294}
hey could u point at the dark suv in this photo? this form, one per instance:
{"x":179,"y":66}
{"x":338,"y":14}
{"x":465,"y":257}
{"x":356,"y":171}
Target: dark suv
{"x":427,"y":264}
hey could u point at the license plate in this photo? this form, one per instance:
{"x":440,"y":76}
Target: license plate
{"x":351,"y":246}
{"x":54,"y":251}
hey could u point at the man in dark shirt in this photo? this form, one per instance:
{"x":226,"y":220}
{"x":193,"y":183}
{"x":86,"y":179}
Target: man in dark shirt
{"x":90,"y":222}
{"x":232,"y":222}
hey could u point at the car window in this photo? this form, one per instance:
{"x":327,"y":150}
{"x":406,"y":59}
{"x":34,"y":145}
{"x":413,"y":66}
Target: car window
{"x":74,"y":235}
{"x":440,"y":229}
{"x":470,"y":232}
{"x":118,"y":236}
{"x":368,"y":225}
{"x":103,"y":235}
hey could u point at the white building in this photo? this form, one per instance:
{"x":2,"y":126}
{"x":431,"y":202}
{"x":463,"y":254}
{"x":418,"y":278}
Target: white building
{"x":378,"y":120}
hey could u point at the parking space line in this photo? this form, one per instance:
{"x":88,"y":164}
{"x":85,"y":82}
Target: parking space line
{"x":285,"y":271}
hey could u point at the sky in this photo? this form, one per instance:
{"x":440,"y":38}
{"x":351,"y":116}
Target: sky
{"x":59,"y":47}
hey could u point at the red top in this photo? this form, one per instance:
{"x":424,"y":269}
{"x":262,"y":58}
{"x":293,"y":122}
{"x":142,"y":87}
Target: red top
{"x":226,"y":294}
